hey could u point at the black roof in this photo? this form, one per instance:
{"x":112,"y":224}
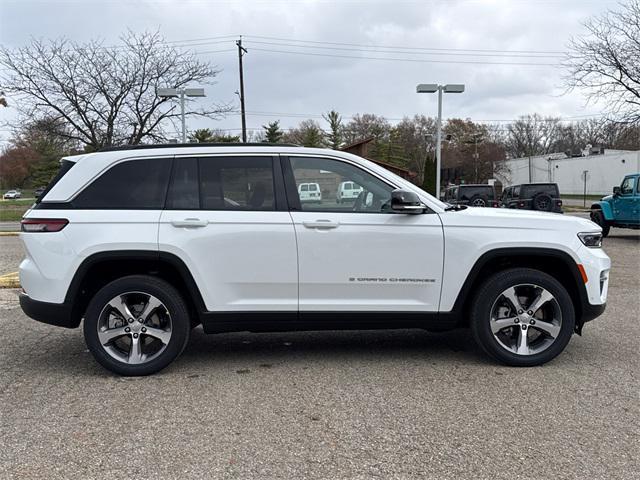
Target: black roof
{"x":471,"y":185}
{"x":187,"y":145}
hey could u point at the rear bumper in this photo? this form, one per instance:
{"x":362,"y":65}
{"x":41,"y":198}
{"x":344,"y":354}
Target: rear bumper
{"x":58,"y":314}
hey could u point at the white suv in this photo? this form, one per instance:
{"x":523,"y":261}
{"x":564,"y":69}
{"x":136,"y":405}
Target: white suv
{"x":146,"y":243}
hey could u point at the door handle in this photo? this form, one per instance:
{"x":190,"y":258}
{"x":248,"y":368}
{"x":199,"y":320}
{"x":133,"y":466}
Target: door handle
{"x":189,"y":223}
{"x":322,"y":224}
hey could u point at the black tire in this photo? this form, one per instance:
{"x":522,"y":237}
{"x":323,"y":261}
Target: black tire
{"x":598,"y":217}
{"x":542,"y":202}
{"x":478,"y":201}
{"x":175,"y":306}
{"x":492,"y":289}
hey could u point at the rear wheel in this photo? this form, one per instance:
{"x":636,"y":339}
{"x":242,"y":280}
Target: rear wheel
{"x":542,"y":202}
{"x":522,"y":317}
{"x":478,"y":201}
{"x":598,"y":217}
{"x":136,"y":325}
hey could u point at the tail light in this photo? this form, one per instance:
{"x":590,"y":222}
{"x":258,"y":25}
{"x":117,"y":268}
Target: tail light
{"x":559,"y":203}
{"x":33,"y":225}
{"x":521,"y":204}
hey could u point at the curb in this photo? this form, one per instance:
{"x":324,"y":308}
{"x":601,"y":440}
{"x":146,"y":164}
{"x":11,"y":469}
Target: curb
{"x":9,"y":234}
{"x":10,"y":280}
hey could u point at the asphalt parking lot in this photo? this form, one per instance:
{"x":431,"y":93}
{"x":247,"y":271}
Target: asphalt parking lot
{"x":394,"y":404}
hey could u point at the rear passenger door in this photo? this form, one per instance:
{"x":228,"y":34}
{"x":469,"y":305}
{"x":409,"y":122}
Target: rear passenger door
{"x":226,"y":218}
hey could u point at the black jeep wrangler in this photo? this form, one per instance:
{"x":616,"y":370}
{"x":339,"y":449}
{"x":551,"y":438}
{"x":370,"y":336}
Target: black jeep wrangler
{"x":544,"y":197}
{"x":482,"y":195}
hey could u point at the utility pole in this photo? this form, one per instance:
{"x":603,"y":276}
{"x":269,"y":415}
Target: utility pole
{"x":241,"y":52}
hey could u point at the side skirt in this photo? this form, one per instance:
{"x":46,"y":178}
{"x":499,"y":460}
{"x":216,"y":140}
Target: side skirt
{"x":218,"y":322}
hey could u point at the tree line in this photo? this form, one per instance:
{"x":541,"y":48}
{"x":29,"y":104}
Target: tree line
{"x":80,"y":97}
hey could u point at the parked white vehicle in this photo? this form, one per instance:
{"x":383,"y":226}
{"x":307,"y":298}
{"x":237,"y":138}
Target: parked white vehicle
{"x":310,"y":192}
{"x":145,"y":243}
{"x":12,"y":195}
{"x":348,"y":191}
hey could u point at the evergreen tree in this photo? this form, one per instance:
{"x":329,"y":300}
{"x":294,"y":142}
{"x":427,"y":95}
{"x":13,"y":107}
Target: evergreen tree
{"x":272,"y":132}
{"x":334,"y":137}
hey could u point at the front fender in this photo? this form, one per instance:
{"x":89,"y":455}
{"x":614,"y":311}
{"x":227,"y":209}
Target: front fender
{"x":607,"y":211}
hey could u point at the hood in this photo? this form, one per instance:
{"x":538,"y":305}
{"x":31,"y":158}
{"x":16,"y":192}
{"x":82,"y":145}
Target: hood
{"x":608,"y":198}
{"x":512,"y":218}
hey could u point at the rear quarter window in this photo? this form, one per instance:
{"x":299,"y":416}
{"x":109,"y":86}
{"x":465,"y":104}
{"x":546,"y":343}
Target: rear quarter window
{"x":532,"y":190}
{"x":65,"y":166}
{"x":139,"y":184}
{"x":469,"y":192}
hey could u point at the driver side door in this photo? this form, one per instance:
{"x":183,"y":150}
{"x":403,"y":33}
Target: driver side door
{"x":359,"y":256}
{"x":623,"y":204}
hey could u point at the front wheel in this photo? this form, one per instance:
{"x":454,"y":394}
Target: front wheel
{"x":522,"y":317}
{"x":598,"y":217}
{"x":136,"y":325}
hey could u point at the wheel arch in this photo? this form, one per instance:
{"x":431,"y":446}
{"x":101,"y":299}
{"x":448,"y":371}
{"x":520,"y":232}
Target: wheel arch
{"x":556,"y":263}
{"x":605,"y":208}
{"x":101,"y":268}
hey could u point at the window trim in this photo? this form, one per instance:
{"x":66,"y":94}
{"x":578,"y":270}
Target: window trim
{"x":292,"y":191}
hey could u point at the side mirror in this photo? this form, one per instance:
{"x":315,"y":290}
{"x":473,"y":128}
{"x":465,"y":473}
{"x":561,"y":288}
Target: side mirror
{"x":403,"y":201}
{"x":616,"y":191}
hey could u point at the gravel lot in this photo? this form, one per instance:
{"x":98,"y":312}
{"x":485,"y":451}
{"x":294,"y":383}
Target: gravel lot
{"x":395,"y":404}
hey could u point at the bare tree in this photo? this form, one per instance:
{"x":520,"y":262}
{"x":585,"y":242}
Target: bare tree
{"x":532,"y":135}
{"x":105,"y":94}
{"x":366,"y":126}
{"x":605,"y":62}
{"x":308,"y":134}
{"x":413,"y":135}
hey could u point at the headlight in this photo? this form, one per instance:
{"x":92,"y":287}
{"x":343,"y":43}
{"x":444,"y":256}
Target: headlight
{"x":593,"y":240}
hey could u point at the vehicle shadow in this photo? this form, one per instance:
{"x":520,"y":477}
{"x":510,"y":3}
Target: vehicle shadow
{"x":67,"y":354}
{"x":302,"y":347}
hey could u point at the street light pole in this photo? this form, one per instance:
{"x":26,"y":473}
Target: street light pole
{"x":432,"y":88}
{"x":181,"y":93}
{"x":439,"y":142}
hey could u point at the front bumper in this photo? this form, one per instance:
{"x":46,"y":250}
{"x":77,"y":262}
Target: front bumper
{"x":58,"y":314}
{"x":591,"y":312}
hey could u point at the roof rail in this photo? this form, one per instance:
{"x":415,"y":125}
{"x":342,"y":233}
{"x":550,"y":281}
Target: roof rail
{"x":187,"y":145}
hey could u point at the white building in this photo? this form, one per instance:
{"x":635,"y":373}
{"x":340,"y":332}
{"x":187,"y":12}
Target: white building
{"x":604,"y":171}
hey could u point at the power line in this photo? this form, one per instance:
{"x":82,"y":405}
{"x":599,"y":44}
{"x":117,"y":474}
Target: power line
{"x":411,"y":52}
{"x":402,"y":47}
{"x":393,"y":59}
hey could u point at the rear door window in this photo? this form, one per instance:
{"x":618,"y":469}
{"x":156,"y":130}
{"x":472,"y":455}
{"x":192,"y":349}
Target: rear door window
{"x":184,"y":191}
{"x":236,"y":183}
{"x":139,"y":184}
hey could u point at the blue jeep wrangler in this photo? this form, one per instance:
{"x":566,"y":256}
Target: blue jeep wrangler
{"x":622,"y":209}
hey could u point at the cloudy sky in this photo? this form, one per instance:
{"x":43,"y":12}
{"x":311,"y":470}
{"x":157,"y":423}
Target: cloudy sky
{"x":306,"y":57}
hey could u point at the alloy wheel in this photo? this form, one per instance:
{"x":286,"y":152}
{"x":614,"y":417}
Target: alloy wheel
{"x":134,"y":327}
{"x":526,"y":319}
